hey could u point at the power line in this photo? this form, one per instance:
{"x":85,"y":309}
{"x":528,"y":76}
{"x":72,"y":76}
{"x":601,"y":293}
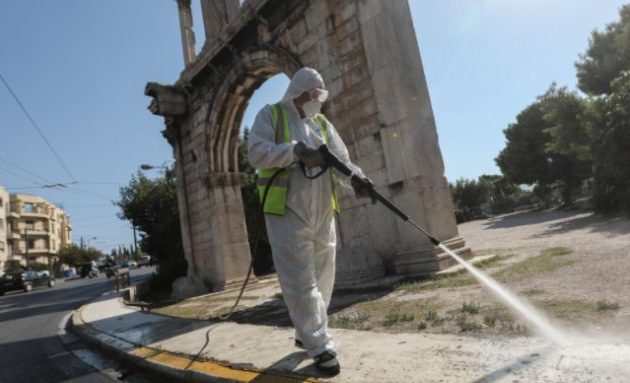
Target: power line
{"x":25,"y":170}
{"x":20,"y":176}
{"x":17,"y":100}
{"x":90,"y":205}
{"x":99,"y":183}
{"x":22,"y":187}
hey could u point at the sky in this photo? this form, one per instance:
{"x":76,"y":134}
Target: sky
{"x":79,"y":68}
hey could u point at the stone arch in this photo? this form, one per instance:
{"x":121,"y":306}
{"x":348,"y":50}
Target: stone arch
{"x":226,"y":109}
{"x":379,"y":102}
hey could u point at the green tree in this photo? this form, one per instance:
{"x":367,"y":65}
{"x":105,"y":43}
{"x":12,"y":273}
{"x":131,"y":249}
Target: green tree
{"x":548,"y":146}
{"x":501,"y":194}
{"x":610,"y":124}
{"x":74,"y":255}
{"x":569,"y":140}
{"x":607,"y":55}
{"x":524,"y":159}
{"x":468,"y":196}
{"x":151,"y":205}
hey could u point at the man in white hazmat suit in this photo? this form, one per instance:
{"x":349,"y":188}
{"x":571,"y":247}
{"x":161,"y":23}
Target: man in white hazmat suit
{"x":299,"y":212}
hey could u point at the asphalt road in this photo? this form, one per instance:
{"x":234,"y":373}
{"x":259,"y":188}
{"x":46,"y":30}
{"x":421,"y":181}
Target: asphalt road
{"x":30,"y":350}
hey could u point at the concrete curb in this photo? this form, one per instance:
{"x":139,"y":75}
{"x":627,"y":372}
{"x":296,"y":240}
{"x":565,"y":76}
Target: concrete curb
{"x":172,"y":366}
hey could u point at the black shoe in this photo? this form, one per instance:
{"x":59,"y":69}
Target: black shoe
{"x":327,"y":363}
{"x":299,"y":344}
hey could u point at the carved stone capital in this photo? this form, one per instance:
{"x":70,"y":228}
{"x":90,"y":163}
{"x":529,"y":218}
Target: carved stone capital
{"x":169,"y":101}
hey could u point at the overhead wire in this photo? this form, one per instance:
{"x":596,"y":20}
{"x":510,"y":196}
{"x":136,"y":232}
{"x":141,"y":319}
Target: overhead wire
{"x":20,"y":176}
{"x":34,"y":124}
{"x":25,"y":170}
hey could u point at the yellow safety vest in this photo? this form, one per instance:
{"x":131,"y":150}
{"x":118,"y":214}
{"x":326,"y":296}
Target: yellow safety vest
{"x":277,"y":194}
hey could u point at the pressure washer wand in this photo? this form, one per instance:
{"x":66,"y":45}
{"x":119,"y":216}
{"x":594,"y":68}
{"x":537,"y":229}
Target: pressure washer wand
{"x":332,"y":160}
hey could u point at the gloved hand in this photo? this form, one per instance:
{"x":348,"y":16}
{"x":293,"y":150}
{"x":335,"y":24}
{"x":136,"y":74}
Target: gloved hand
{"x":362,"y":187}
{"x":308,"y":156}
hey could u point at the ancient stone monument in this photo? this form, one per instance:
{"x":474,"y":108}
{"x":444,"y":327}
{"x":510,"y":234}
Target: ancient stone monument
{"x":368,"y":55}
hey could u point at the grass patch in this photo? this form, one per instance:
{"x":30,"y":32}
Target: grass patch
{"x":552,"y":251}
{"x":352,"y":321}
{"x":605,"y":305}
{"x":387,"y":314}
{"x":576,"y":309}
{"x":489,"y":262}
{"x":532,"y":291}
{"x":450,"y":280}
{"x":497,"y":317}
{"x":439,"y":281}
{"x":465,"y":324}
{"x":394,"y":317}
{"x":548,"y":260}
{"x":470,"y":308}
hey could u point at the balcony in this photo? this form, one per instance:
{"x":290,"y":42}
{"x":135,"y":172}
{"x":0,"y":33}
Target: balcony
{"x":21,"y":250}
{"x":13,"y":235}
{"x":14,"y":214}
{"x":36,"y":232}
{"x":35,"y":214}
{"x":38,"y":250}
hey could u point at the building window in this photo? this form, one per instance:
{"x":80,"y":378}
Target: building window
{"x":28,"y":207}
{"x":1,"y":224}
{"x":31,"y":243}
{"x":1,"y":202}
{"x":30,"y":225}
{"x":2,"y":246}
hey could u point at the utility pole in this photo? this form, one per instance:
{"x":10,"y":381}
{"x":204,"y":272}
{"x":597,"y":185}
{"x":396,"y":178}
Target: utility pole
{"x":26,"y":245}
{"x":135,"y":244}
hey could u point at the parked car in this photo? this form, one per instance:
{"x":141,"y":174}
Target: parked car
{"x":24,"y":280}
{"x":144,"y":260}
{"x":129,"y":264}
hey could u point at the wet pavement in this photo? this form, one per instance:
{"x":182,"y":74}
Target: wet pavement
{"x":365,"y":356}
{"x":30,"y":347}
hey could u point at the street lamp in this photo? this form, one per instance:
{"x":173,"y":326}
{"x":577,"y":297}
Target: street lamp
{"x":88,"y":241}
{"x":149,"y":167}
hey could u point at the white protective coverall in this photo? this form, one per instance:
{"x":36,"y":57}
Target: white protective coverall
{"x":303,"y":240}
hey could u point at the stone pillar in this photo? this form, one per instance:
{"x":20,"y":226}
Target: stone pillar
{"x":217,"y":14}
{"x":186,"y":29}
{"x":414,"y":170}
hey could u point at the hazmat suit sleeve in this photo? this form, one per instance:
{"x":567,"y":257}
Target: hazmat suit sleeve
{"x":338,"y":148}
{"x":262,"y":150}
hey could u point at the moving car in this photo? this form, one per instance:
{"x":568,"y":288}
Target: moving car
{"x":24,"y":280}
{"x":129,"y":264}
{"x":144,"y":260}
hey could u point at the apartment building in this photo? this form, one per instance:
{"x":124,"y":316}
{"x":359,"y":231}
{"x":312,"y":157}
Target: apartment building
{"x":37,"y":230}
{"x":4,"y":228}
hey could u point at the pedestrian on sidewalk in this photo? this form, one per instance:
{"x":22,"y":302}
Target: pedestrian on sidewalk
{"x":299,"y":212}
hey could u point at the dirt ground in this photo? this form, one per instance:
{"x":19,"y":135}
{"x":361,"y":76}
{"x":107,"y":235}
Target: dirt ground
{"x":572,"y":265}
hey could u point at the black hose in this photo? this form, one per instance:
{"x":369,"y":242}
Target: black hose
{"x":249,"y":271}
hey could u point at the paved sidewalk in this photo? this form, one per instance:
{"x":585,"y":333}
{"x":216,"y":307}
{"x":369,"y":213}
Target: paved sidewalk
{"x":251,"y":353}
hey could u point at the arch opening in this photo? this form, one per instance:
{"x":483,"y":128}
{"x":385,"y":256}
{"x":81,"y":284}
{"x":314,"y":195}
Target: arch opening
{"x":243,"y":93}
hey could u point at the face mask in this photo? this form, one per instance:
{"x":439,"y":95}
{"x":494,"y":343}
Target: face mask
{"x":311,"y":108}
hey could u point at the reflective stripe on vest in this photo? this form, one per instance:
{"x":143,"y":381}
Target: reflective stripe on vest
{"x":277,"y":194}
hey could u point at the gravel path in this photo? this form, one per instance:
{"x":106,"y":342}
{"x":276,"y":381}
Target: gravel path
{"x":601,"y":245}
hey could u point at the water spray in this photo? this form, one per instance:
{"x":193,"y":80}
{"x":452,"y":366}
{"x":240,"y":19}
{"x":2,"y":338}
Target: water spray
{"x":516,"y":304}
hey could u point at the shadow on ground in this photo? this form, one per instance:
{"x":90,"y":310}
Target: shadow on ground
{"x":568,"y":220}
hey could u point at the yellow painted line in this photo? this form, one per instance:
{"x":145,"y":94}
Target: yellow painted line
{"x":214,"y":368}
